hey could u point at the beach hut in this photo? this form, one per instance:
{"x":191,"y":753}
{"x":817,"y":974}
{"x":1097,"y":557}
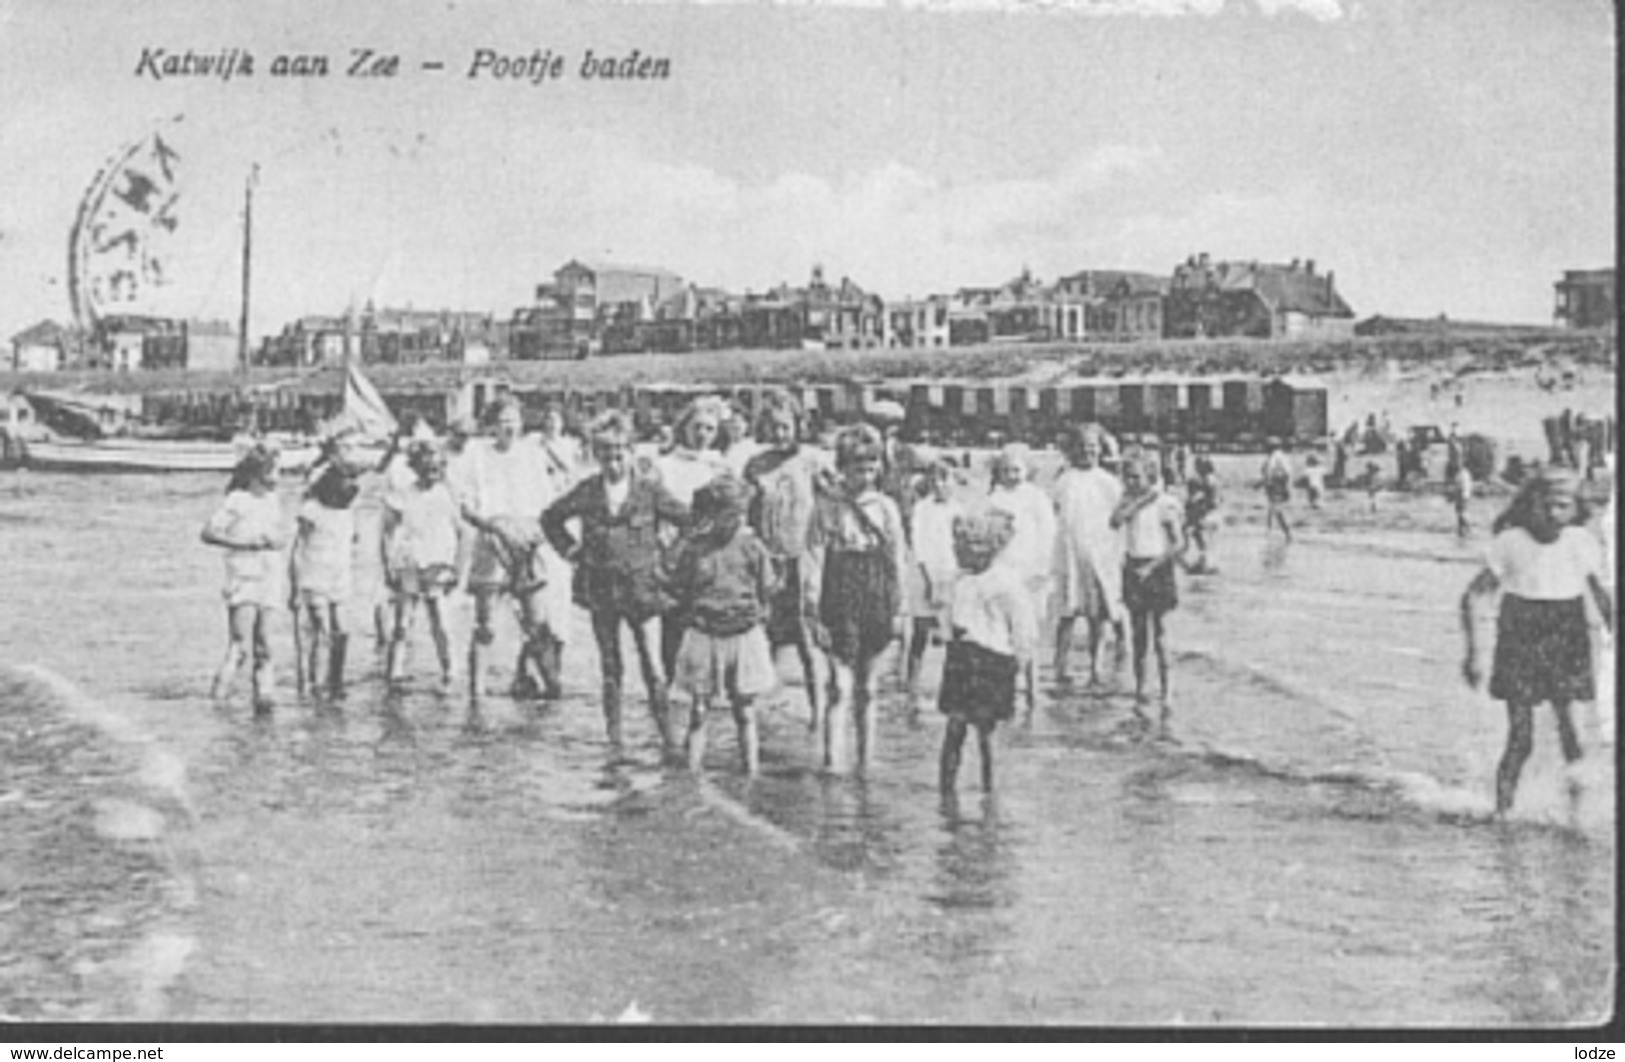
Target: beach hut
{"x":1016,"y":412}
{"x":1083,"y":407}
{"x":1202,"y":408}
{"x":917,"y":419}
{"x":1108,"y":410}
{"x":1162,"y":406}
{"x":1132,"y":410}
{"x":1294,"y":408}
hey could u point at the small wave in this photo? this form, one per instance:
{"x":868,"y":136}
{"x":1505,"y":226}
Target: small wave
{"x":1268,"y":680}
{"x":1399,"y":793}
{"x":157,"y":769}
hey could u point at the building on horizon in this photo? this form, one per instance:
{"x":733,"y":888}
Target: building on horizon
{"x":1021,"y":309}
{"x":1254,"y":300}
{"x":387,"y":336}
{"x":916,"y":323}
{"x":47,"y":347}
{"x":569,"y":315}
{"x":818,"y":316}
{"x":1110,"y":304}
{"x":1585,"y":299}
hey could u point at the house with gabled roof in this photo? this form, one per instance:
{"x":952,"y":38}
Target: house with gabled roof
{"x":1586,"y":299}
{"x":44,"y":347}
{"x":1259,"y":300}
{"x":1021,"y":308}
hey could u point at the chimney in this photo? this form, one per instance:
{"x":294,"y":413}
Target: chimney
{"x":1329,"y":275}
{"x":1310,"y":266}
{"x":1202,"y":259}
{"x":1295,"y":263}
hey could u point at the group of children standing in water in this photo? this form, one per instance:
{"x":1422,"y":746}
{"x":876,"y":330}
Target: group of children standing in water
{"x":711,"y":560}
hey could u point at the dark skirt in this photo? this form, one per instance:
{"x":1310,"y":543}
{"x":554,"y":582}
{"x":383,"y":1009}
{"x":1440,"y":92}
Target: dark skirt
{"x":1154,"y":592}
{"x":978,"y":685}
{"x":787,"y":607}
{"x":858,"y":603}
{"x":1542,"y":652}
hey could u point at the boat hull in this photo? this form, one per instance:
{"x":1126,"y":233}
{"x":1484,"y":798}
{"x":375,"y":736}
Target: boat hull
{"x":144,"y":456}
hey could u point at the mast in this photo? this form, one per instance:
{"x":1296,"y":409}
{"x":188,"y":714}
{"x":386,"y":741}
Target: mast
{"x":248,"y":237}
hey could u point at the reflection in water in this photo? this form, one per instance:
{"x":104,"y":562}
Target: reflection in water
{"x":1548,"y":906}
{"x":976,"y":858}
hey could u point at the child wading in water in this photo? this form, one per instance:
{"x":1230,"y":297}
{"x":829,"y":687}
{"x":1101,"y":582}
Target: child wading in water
{"x":422,"y":537}
{"x":995,"y":626}
{"x":788,"y":478}
{"x":721,"y":577}
{"x":1277,"y":491}
{"x":1544,"y":564}
{"x":1201,"y":502}
{"x":935,"y":568}
{"x":861,"y":604}
{"x":617,"y":558}
{"x":248,"y":526}
{"x":322,"y":564}
{"x":1152,"y":542}
{"x":1089,"y":553}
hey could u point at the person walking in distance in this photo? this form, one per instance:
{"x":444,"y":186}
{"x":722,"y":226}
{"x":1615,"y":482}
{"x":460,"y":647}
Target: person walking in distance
{"x":1277,"y":491}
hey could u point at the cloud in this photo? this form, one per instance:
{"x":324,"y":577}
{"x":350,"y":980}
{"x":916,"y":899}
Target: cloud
{"x":1321,"y":10}
{"x":894,"y":229}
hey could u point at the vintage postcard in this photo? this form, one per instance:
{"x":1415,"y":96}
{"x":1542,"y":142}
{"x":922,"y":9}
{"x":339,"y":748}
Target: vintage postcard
{"x":992,"y":512}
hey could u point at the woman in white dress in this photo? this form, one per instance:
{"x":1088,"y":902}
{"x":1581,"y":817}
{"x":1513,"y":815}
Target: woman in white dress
{"x":507,"y":488}
{"x":1089,"y":557}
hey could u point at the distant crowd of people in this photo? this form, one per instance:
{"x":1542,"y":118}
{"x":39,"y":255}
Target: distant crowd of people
{"x":717,"y":545}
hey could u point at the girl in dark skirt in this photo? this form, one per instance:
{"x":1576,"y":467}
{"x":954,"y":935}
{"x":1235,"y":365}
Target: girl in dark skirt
{"x":859,"y":532}
{"x":994,"y":620}
{"x":788,"y":478}
{"x":1153,"y":540}
{"x":1544,"y":563}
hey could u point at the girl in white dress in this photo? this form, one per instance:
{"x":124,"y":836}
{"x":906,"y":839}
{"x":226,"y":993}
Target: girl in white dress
{"x":932,"y":575}
{"x":1033,"y":548}
{"x":1089,"y":553}
{"x":248,"y":526}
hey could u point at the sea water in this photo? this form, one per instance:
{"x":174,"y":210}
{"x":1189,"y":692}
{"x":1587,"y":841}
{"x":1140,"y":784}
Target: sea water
{"x":1309,"y":842}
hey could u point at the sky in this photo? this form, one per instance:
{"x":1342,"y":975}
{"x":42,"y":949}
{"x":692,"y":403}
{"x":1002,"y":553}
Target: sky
{"x":1441,"y":156}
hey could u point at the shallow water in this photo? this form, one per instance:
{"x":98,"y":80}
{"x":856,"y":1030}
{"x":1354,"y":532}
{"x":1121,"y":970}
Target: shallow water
{"x":1308,"y":844}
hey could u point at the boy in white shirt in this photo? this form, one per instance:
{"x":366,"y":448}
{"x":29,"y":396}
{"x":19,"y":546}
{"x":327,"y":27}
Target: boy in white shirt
{"x":995,"y":627}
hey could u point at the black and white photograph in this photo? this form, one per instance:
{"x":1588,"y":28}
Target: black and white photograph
{"x":779,"y":513}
